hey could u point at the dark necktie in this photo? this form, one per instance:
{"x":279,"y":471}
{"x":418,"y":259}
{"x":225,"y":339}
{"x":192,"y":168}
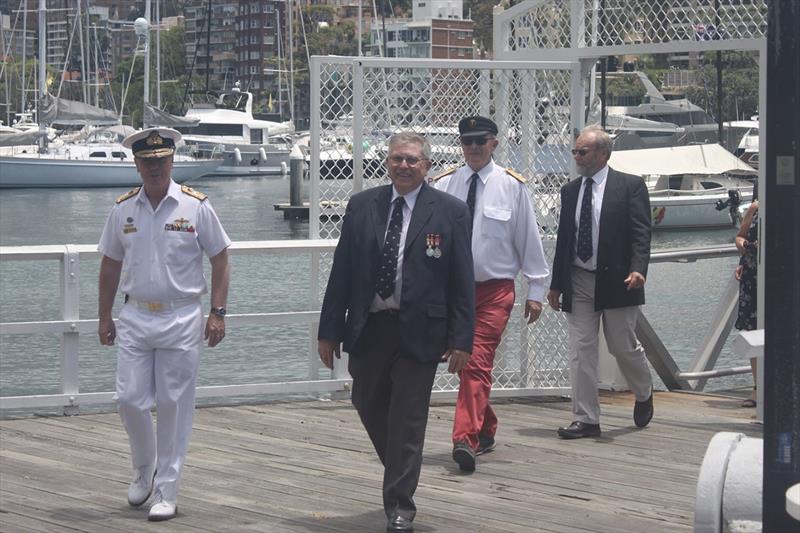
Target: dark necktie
{"x":585,"y":227}
{"x":387,"y":272}
{"x":473,"y":187}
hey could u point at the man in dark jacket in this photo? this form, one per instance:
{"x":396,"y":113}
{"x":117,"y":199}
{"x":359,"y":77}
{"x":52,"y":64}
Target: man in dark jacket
{"x":401,"y":298}
{"x":599,"y":270}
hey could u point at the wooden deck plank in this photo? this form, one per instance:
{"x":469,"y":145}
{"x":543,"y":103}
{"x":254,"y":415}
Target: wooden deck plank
{"x":308,"y":466}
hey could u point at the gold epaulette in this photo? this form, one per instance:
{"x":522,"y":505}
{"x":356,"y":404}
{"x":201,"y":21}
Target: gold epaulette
{"x":130,"y":194}
{"x":516,"y":175}
{"x":437,"y":177}
{"x":185,"y":189}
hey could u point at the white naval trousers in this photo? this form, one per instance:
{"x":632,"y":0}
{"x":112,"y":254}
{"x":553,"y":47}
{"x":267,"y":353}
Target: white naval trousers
{"x":157,"y":362}
{"x":619,"y":328}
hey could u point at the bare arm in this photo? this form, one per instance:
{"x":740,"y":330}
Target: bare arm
{"x":110,"y":271}
{"x":747,"y":221}
{"x":220,"y":280}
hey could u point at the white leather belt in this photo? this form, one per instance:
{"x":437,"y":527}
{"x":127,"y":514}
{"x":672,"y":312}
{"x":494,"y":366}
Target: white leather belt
{"x":157,"y":307}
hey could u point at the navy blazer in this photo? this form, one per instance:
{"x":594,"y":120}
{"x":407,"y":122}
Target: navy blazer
{"x":437,"y":308}
{"x":623,"y":244}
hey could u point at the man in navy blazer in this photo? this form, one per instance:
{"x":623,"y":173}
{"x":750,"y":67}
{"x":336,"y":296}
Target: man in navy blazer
{"x":599,"y":270}
{"x":401,"y":299}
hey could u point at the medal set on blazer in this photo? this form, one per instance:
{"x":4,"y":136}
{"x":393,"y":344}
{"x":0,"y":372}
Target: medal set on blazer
{"x":432,"y":241}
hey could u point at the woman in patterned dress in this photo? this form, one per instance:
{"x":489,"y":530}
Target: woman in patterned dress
{"x":746,"y":273}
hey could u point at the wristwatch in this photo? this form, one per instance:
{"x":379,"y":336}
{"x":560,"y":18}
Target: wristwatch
{"x":219,"y":311}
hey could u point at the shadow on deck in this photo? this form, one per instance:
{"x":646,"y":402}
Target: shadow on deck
{"x":308,"y":466}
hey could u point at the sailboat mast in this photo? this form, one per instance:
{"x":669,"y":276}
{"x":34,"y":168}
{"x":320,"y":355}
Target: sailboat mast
{"x":24,"y":4}
{"x":146,"y":96}
{"x":42,"y":65}
{"x":158,"y":54}
{"x":291,"y":62}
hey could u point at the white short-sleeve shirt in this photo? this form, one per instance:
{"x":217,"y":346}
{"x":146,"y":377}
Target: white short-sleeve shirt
{"x":162,"y":250}
{"x":505,"y":234}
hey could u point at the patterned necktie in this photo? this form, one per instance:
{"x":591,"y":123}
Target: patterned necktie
{"x":473,"y":187}
{"x":585,"y":228}
{"x":387,"y":272}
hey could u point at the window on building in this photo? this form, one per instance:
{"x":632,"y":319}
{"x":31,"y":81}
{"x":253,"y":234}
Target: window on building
{"x":390,"y":36}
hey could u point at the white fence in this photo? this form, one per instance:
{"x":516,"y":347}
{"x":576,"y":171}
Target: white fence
{"x":507,"y":382}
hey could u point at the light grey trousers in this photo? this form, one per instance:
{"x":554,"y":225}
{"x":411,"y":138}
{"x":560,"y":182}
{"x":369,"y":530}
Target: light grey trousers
{"x":619,"y":327}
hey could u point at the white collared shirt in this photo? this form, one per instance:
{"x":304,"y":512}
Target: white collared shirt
{"x":162,"y":249}
{"x":598,"y":190}
{"x":505,"y":235}
{"x":393,"y":301}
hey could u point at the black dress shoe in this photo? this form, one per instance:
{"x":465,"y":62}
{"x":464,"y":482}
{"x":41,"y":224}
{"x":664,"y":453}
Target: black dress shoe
{"x":464,"y":456}
{"x":399,"y":523}
{"x":643,"y":412}
{"x":578,"y":430}
{"x":485,"y":444}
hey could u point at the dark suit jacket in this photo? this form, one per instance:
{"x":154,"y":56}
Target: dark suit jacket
{"x":437,"y":308}
{"x":623,"y":244}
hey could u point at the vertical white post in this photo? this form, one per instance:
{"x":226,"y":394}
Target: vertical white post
{"x":357,"y":73}
{"x":70,"y":305}
{"x":315,"y":127}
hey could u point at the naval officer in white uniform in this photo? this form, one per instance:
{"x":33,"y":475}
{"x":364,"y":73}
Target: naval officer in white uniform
{"x":153,"y":246}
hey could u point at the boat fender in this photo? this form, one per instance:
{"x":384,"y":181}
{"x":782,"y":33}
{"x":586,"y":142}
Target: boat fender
{"x":284,"y":168}
{"x":263,"y":154}
{"x":185,"y":189}
{"x":130,"y":194}
{"x":237,"y":155}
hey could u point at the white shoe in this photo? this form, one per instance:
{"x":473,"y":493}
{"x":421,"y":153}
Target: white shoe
{"x":141,"y":486}
{"x":162,"y":510}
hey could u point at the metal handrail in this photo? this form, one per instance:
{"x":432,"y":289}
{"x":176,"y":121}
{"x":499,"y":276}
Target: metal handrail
{"x":70,"y":326}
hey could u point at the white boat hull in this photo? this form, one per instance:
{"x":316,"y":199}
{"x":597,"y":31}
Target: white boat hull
{"x":692,"y":212}
{"x":24,"y":172}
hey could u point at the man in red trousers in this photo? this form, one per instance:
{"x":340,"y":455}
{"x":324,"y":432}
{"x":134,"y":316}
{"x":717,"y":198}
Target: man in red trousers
{"x":505,"y":241}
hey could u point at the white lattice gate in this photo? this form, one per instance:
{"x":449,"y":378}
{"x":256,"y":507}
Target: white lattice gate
{"x":357,"y":103}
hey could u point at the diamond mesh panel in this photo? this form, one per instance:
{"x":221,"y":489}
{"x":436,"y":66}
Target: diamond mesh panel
{"x":663,"y":21}
{"x":547,"y":23}
{"x":530,"y":105}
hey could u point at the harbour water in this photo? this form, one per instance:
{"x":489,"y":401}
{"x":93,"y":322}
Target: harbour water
{"x":681,"y":298}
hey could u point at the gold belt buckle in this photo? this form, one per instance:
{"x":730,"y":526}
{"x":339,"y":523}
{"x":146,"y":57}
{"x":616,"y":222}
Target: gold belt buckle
{"x":154,"y":307}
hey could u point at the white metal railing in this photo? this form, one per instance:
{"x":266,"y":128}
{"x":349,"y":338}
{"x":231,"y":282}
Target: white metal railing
{"x":70,"y":327}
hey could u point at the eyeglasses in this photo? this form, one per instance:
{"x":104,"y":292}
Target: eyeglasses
{"x":582,"y":152}
{"x":480,"y":141}
{"x":410,"y":160}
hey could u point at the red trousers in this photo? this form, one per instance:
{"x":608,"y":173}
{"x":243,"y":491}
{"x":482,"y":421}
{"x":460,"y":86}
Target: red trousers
{"x":493,"y":303}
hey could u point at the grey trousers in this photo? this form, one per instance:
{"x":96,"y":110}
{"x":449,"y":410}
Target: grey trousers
{"x":619,"y":327}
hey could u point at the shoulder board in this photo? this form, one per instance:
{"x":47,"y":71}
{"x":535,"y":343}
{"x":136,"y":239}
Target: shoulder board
{"x":130,"y":194}
{"x":439,"y":176}
{"x":516,"y":175}
{"x":185,"y":189}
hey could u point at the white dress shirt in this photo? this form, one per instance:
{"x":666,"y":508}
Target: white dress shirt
{"x":393,"y":301}
{"x":162,"y":249}
{"x":505,"y":235}
{"x":598,"y":189}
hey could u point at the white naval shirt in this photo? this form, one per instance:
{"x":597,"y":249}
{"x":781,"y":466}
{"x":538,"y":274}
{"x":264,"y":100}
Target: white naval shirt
{"x":505,"y":235}
{"x":598,"y":190}
{"x":162,"y":249}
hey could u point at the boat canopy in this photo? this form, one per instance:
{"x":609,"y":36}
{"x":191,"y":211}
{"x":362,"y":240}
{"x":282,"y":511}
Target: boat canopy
{"x":21,"y":139}
{"x":153,"y":116}
{"x":69,"y":112}
{"x":670,"y":161}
